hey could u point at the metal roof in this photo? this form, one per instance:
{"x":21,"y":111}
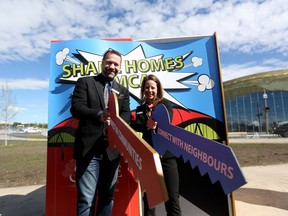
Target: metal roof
{"x":269,"y":81}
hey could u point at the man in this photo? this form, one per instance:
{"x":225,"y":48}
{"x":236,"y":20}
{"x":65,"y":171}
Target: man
{"x":96,"y":165}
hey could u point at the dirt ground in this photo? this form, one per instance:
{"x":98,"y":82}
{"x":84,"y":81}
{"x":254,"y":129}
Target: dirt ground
{"x":256,"y":154}
{"x":23,"y":163}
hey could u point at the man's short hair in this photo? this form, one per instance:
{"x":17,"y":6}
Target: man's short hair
{"x":110,"y":50}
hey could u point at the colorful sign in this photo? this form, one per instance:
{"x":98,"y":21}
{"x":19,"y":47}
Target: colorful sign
{"x":189,"y":70}
{"x":189,"y":73}
{"x":61,"y":189}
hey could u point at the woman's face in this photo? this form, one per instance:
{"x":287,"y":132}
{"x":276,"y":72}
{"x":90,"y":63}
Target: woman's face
{"x":150,"y":91}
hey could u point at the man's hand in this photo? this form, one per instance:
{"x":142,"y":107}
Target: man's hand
{"x":105,"y":117}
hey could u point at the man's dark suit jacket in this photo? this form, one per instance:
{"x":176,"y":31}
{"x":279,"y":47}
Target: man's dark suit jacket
{"x":87,"y":103}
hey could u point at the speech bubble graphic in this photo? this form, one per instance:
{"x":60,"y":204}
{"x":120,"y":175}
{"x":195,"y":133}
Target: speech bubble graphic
{"x":216,"y":159}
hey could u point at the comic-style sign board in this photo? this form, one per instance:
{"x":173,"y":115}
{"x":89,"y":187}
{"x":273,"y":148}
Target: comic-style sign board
{"x":189,"y":70}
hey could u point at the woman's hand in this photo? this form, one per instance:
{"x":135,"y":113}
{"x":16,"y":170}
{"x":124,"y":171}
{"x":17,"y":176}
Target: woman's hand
{"x":151,"y":124}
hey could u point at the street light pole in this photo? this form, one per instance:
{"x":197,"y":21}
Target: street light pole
{"x":266,"y":109}
{"x":259,"y":114}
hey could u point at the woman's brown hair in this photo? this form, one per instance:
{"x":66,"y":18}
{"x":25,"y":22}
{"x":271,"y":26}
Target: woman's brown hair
{"x":159,"y":96}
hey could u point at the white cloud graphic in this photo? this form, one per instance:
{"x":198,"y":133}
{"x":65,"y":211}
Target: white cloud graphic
{"x":196,"y":61}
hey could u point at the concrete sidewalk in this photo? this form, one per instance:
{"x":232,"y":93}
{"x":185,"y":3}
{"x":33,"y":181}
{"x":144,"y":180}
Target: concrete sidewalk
{"x":265,"y":194}
{"x":23,"y":201}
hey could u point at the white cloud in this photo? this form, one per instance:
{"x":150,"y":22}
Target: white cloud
{"x":27,"y":84}
{"x":234,"y":71}
{"x":17,"y":109}
{"x":245,"y":26}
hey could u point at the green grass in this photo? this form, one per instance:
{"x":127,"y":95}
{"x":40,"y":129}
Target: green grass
{"x":24,"y":162}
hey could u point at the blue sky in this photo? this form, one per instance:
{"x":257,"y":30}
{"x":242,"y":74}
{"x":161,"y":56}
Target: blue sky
{"x":252,"y":36}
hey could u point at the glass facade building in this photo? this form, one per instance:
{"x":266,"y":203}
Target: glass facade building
{"x":257,"y":102}
{"x":255,"y":111}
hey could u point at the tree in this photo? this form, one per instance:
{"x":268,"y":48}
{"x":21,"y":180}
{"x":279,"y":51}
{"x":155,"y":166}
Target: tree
{"x":6,"y":107}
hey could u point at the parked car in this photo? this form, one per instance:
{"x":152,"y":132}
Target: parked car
{"x":31,"y":130}
{"x":281,"y":129}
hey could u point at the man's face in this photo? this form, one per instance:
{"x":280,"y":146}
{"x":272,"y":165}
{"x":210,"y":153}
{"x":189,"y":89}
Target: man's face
{"x":111,"y":65}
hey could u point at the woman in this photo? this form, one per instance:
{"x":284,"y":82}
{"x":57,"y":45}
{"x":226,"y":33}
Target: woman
{"x":152,"y":95}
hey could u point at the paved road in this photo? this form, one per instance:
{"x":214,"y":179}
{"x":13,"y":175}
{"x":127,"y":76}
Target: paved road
{"x":249,"y":139}
{"x":11,"y":138}
{"x":259,"y":140}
